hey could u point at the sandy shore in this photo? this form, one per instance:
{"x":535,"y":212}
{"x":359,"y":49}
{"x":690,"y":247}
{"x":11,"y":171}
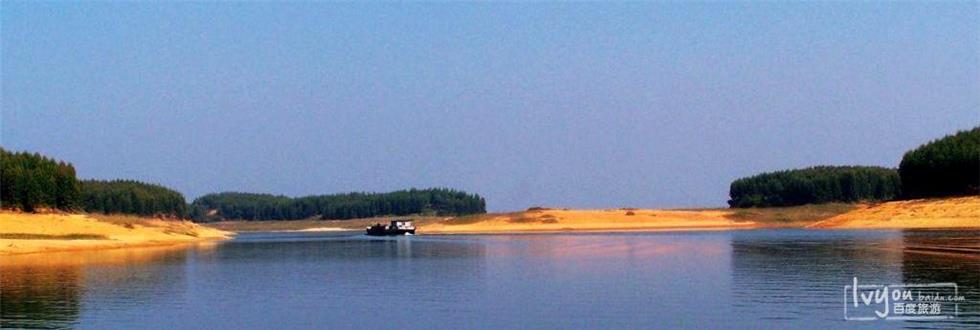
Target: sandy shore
{"x":554,"y":220}
{"x":942,"y":213}
{"x":30,"y":233}
{"x":960,"y":212}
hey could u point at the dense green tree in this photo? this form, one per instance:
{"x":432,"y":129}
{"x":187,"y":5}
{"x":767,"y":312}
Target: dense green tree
{"x":949,"y":166}
{"x":30,"y":181}
{"x":246,"y":206}
{"x":821,"y":184}
{"x":131,"y":197}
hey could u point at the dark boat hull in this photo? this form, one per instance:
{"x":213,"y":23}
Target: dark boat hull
{"x":382,"y":231}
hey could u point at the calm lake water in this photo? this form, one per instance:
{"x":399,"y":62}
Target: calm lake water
{"x":741,"y":279}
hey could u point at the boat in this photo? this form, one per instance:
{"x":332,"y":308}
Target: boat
{"x":397,"y":227}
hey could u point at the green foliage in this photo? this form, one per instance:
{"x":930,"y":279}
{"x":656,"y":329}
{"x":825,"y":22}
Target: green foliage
{"x":132,"y":197}
{"x":246,"y":206}
{"x":30,"y":181}
{"x":949,"y":166}
{"x":821,"y":184}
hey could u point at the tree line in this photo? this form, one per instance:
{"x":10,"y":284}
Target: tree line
{"x":949,"y":166}
{"x":820,"y":184}
{"x":945,"y":167}
{"x":249,"y":206}
{"x":131,"y":197}
{"x":29,"y":181}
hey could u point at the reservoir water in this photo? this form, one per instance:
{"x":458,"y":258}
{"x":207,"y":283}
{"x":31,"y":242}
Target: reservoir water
{"x":736,"y":279}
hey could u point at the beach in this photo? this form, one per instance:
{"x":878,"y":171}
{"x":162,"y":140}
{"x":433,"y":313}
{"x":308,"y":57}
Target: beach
{"x":939,"y":213}
{"x":562,"y":220}
{"x":958,"y":212}
{"x":22,"y":233}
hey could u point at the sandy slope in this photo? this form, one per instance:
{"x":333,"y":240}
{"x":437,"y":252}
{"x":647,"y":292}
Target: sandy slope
{"x":553,"y":220}
{"x":29,"y":233}
{"x":960,"y":212}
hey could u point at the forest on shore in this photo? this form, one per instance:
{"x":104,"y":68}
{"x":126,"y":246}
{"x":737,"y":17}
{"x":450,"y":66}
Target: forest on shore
{"x":816,"y":185}
{"x":131,"y":197}
{"x":31,"y":182}
{"x":949,"y":166}
{"x":246,"y":206}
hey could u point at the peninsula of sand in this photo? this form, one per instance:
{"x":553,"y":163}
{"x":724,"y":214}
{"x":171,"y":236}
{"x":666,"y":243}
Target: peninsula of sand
{"x":50,"y":232}
{"x":943,"y":213}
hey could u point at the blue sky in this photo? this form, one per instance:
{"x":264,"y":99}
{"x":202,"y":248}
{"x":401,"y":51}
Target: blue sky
{"x":572,"y":105}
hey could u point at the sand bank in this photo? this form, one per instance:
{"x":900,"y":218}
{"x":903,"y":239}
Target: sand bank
{"x":555,"y":220}
{"x":959,"y":212}
{"x":30,"y":233}
{"x":942,"y":213}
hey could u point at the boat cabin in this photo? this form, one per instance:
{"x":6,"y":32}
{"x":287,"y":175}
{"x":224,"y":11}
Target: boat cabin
{"x":402,"y":224}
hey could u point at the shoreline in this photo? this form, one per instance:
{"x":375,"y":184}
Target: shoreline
{"x":28,"y":233}
{"x":55,"y":232}
{"x":595,"y":231}
{"x":562,"y":220}
{"x":956,"y":213}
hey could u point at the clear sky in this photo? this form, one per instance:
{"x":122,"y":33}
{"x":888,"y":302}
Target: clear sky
{"x":571,"y":105}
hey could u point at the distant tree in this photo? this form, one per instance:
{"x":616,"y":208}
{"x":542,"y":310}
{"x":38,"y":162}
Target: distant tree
{"x":949,"y":166}
{"x":821,"y":184}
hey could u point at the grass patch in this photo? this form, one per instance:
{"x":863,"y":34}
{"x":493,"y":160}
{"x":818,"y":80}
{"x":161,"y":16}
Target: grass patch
{"x":465,"y":220}
{"x":179,"y":231}
{"x":57,"y":237}
{"x":791,"y":214}
{"x":522,"y":219}
{"x":128,"y":221}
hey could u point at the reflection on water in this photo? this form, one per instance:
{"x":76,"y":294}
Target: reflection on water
{"x":938,"y":257}
{"x":742,"y":279}
{"x":808,"y":270}
{"x":33,"y":297}
{"x":45,"y":290}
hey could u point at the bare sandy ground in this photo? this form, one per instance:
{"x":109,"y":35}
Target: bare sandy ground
{"x":29,"y":233}
{"x":940,"y":213}
{"x":554,"y":220}
{"x":959,"y":212}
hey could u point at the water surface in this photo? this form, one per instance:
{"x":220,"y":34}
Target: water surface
{"x":740,"y":279}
